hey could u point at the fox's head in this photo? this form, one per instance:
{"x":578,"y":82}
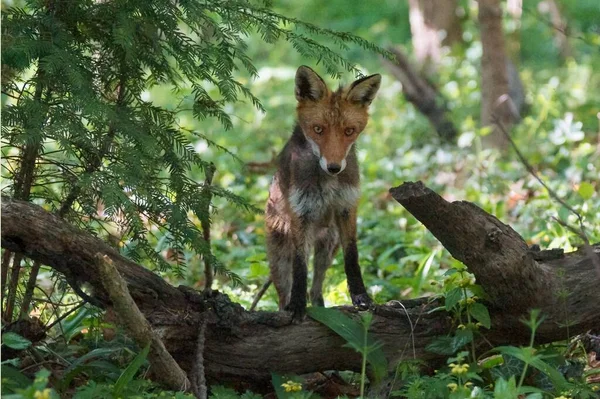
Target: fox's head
{"x":332,"y":121}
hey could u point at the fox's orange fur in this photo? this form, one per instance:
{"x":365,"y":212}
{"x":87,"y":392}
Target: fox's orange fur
{"x":314,"y":195}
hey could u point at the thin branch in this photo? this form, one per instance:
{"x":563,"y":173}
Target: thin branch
{"x":29,"y":288}
{"x":581,"y":233}
{"x":54,"y":308}
{"x":205,"y":224}
{"x":12,"y":287}
{"x":534,"y":174}
{"x":56,"y":303}
{"x":65,"y":315}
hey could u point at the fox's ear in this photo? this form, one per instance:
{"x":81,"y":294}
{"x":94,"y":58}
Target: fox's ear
{"x":363,"y":90}
{"x":309,"y":85}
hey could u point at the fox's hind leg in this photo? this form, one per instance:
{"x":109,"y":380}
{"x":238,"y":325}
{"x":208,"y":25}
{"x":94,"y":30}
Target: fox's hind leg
{"x":327,"y":243}
{"x":280,"y":247}
{"x":280,"y":253}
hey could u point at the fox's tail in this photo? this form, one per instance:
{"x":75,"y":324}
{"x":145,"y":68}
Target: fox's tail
{"x":260,"y":293}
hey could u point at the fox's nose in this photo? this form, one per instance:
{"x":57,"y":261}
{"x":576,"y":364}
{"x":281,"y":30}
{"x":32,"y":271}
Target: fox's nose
{"x":334,"y":168}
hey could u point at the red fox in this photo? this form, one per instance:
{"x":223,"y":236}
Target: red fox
{"x":314,"y":195}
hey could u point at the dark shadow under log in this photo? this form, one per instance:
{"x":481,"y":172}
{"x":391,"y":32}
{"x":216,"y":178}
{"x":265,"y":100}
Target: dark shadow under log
{"x":245,"y":347}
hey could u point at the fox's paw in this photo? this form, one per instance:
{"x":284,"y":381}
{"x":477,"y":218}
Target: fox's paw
{"x":298,"y":311}
{"x":362,"y":301}
{"x":318,"y":301}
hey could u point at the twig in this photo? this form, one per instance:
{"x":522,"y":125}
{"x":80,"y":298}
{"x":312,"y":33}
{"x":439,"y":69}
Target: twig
{"x":260,"y":294}
{"x":58,"y":304}
{"x":40,"y":364}
{"x":412,"y":327}
{"x":12,"y":287}
{"x":55,"y":308}
{"x":205,"y":224}
{"x":563,"y":30}
{"x":64,"y":315}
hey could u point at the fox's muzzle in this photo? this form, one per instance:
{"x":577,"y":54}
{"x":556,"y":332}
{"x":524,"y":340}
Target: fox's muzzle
{"x":332,"y":168}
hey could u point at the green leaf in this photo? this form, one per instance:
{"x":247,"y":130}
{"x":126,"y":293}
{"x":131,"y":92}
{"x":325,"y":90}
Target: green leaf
{"x":523,"y":354}
{"x":353,"y":332}
{"x":130,"y":371}
{"x":449,"y":345}
{"x":492,"y":361}
{"x":12,"y":379}
{"x":277,"y":382}
{"x":79,"y":365}
{"x":453,"y":297}
{"x":15,"y":341}
{"x":441,"y":345}
{"x":221,"y":392}
{"x":586,"y":190}
{"x":506,"y":389}
{"x":73,"y":325}
{"x":461,"y":338}
{"x":481,"y":314}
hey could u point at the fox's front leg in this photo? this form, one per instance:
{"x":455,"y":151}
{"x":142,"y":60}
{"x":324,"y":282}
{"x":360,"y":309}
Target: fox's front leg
{"x":297,"y":304}
{"x":346,"y":221}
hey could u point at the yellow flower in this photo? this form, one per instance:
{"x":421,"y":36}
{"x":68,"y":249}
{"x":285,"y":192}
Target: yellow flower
{"x":292,"y":386}
{"x":470,"y":301}
{"x":45,"y":394}
{"x":596,"y":388}
{"x":453,"y":387}
{"x":562,"y":397}
{"x":461,"y":327}
{"x":468,"y":384}
{"x":460,"y":369}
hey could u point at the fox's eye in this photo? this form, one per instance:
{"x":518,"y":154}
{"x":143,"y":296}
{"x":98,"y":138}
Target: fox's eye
{"x":318,"y":129}
{"x":349,"y":131}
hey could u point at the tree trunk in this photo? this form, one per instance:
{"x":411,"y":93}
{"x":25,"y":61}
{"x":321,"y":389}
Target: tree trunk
{"x":245,"y":347}
{"x":433,"y":24}
{"x":496,"y":102}
{"x":424,"y":96}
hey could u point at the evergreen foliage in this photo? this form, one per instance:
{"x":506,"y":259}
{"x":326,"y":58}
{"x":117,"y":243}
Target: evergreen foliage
{"x":92,"y":149}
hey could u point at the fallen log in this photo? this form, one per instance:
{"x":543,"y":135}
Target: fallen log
{"x":245,"y":347}
{"x":563,"y":286}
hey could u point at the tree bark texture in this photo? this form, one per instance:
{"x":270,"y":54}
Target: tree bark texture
{"x":496,"y":102}
{"x":422,"y":94}
{"x":245,"y":347}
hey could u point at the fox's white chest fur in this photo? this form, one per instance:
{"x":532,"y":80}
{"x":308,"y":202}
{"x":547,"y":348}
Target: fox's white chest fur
{"x":314,"y":201}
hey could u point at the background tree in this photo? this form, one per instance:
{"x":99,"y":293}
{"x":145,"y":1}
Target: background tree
{"x":433,"y":25}
{"x":496,"y":102}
